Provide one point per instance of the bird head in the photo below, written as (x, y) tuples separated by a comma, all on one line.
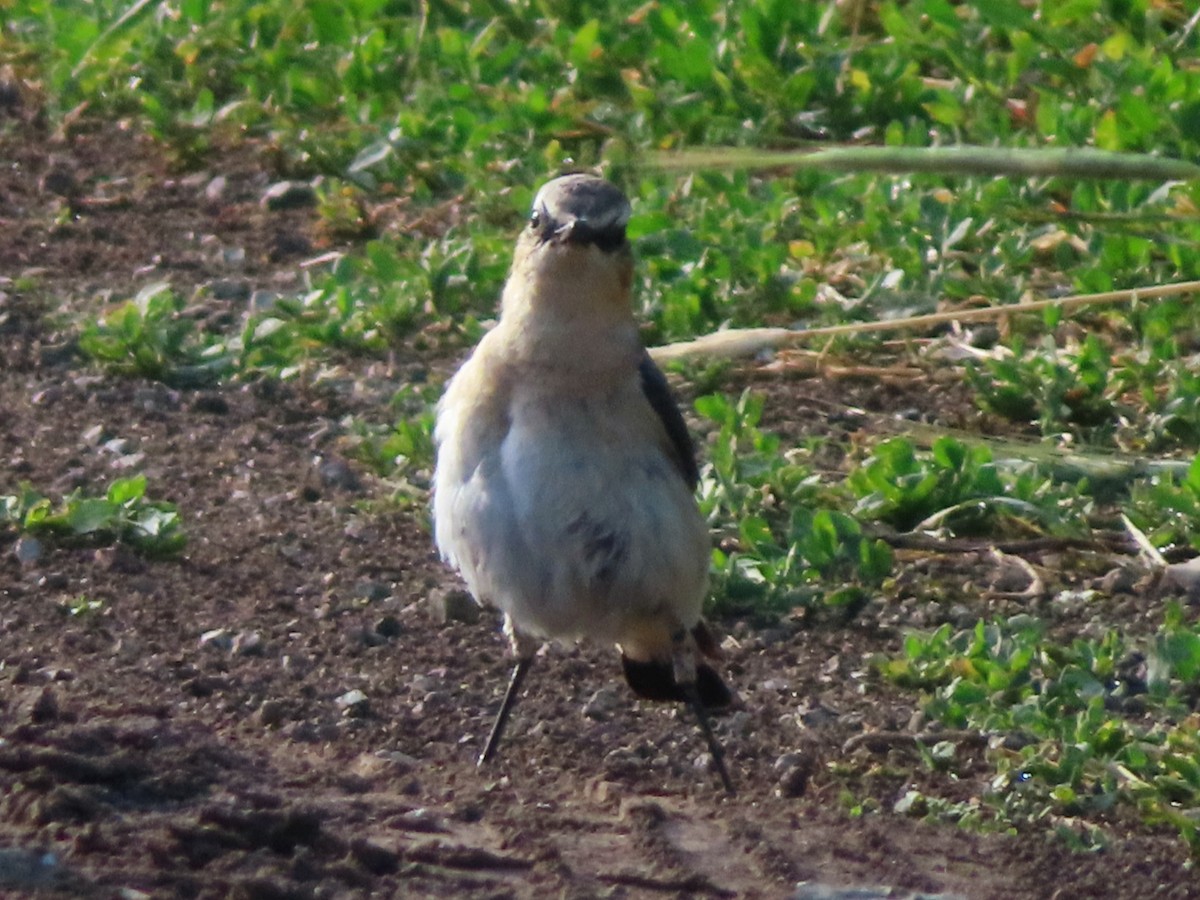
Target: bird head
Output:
[(573, 256)]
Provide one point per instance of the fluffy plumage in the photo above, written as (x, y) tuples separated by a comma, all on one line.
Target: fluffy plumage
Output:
[(563, 489)]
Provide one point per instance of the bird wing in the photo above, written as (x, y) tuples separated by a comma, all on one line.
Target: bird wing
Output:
[(658, 393)]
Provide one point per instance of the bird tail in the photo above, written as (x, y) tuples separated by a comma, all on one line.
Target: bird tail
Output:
[(655, 679)]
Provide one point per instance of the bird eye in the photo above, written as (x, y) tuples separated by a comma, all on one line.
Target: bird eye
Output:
[(535, 220)]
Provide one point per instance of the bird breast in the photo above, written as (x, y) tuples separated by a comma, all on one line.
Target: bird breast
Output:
[(574, 521)]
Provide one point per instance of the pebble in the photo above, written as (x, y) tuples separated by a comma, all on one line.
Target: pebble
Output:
[(794, 770), (337, 473), (27, 550), (215, 189), (44, 707), (54, 581), (453, 605), (271, 713), (388, 627), (58, 353), (230, 289), (217, 638), (288, 244), (248, 643), (1121, 580), (263, 301), (95, 436), (210, 402), (46, 397), (372, 591), (603, 702), (289, 195), (354, 704)]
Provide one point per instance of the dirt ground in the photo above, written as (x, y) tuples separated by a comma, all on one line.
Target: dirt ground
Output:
[(194, 737)]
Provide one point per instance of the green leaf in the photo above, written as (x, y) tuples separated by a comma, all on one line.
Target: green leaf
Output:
[(126, 490), (89, 515)]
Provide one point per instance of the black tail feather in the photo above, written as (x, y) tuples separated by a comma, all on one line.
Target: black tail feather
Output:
[(656, 681)]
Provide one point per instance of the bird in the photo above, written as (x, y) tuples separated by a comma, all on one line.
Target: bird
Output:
[(565, 476)]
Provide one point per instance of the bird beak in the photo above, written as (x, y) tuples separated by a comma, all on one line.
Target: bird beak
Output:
[(566, 233)]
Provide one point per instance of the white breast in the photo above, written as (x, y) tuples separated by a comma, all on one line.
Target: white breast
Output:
[(574, 521)]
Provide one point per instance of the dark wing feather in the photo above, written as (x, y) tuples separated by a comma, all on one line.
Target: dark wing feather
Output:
[(658, 393)]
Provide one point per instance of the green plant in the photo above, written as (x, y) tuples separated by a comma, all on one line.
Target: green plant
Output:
[(1167, 509), (1061, 741), (83, 606), (403, 452), (777, 549), (953, 486), (149, 337), (123, 513), (1060, 391)]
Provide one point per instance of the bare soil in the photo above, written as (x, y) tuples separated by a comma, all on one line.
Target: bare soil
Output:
[(193, 737)]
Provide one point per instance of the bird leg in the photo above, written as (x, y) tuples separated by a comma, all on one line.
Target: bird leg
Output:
[(683, 660), (523, 648), (514, 685)]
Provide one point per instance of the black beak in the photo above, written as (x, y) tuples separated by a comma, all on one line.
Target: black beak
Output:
[(580, 232)]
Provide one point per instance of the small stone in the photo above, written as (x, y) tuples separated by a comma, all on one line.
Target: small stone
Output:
[(602, 702), (248, 643), (230, 289), (54, 581), (287, 244), (47, 397), (202, 686), (336, 473), (388, 627), (372, 591), (27, 550), (95, 436), (271, 714), (816, 714), (354, 704), (215, 189), (289, 195), (263, 301), (44, 707), (209, 402), (794, 769), (217, 639), (375, 859), (1121, 580), (453, 605), (119, 558), (367, 637), (305, 733), (129, 461), (59, 179)]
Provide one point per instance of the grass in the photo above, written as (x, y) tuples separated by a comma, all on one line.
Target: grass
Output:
[(430, 126)]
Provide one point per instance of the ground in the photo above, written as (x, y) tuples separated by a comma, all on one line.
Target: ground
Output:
[(193, 736)]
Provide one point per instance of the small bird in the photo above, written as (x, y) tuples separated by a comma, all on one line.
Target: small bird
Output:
[(565, 476)]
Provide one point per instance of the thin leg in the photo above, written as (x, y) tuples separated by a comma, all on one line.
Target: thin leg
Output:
[(684, 665), (510, 696), (718, 755)]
